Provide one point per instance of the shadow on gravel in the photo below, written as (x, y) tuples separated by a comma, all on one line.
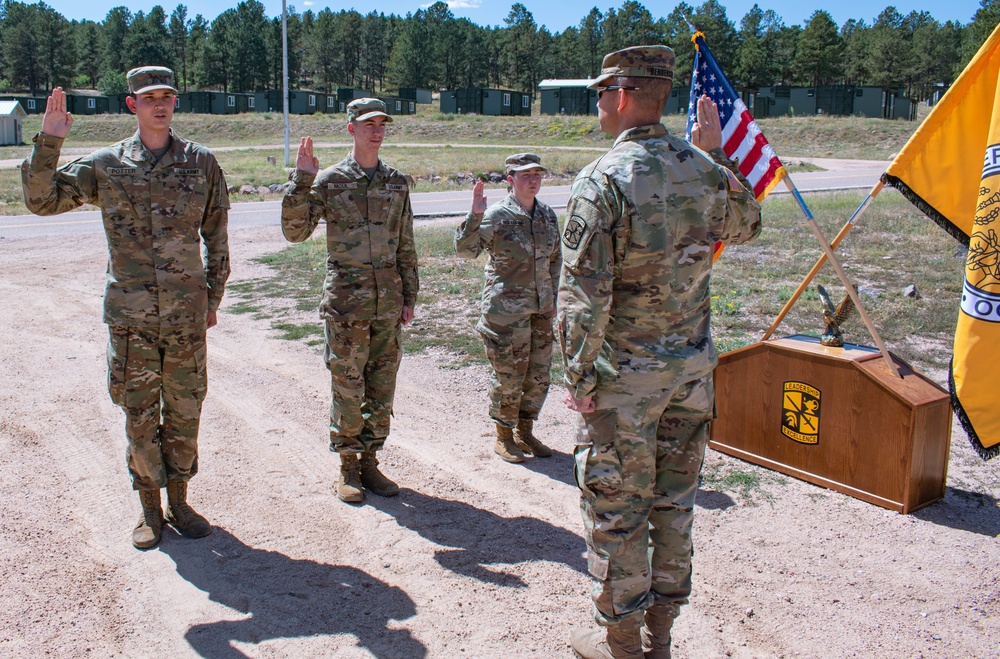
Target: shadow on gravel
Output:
[(287, 598), (481, 538), (713, 500), (966, 511), (558, 467)]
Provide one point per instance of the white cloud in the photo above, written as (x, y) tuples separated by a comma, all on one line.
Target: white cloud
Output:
[(458, 4), (308, 3)]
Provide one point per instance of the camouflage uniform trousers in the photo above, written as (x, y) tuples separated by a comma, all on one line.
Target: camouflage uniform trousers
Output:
[(158, 376), (638, 459), (363, 357), (519, 347)]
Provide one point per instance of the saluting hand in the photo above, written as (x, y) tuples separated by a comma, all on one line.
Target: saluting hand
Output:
[(304, 158), (706, 134), (56, 121), (478, 198)]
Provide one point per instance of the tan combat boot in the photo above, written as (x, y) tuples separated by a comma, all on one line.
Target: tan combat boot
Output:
[(505, 446), (349, 487), (620, 641), (181, 515), (655, 635), (146, 533), (527, 442), (375, 480)]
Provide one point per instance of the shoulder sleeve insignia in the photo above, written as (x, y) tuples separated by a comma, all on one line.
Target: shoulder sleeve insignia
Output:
[(733, 182), (574, 232)]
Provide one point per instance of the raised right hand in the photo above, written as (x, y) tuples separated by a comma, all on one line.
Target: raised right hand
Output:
[(304, 158), (478, 198), (56, 122)]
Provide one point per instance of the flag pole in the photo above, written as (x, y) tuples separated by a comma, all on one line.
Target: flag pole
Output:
[(844, 279), (822, 260)]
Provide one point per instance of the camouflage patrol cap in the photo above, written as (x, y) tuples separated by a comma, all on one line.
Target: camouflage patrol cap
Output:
[(150, 78), (637, 62), (520, 162), (362, 109)]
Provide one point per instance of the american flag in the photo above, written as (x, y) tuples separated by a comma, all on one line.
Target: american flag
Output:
[(741, 137)]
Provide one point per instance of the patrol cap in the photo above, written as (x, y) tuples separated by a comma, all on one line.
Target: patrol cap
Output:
[(520, 162), (150, 78), (636, 62), (362, 109)]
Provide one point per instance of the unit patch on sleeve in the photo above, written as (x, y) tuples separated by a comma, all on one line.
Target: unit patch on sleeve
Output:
[(574, 232)]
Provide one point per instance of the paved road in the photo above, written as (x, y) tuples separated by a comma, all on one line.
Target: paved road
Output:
[(839, 175)]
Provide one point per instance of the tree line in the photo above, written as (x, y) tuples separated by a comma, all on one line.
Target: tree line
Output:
[(240, 50)]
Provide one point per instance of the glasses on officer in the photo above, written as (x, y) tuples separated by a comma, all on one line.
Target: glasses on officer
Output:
[(601, 90)]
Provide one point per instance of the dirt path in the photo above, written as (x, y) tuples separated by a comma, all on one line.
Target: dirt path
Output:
[(476, 558)]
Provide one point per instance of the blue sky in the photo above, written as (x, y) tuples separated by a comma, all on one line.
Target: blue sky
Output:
[(554, 14)]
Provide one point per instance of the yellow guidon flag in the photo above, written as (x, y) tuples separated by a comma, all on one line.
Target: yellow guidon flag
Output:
[(940, 170)]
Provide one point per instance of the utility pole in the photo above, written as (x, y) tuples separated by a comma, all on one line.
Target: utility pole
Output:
[(284, 74)]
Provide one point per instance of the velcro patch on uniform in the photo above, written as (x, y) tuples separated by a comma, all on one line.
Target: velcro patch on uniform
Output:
[(396, 187), (574, 232), (734, 183), (188, 172), (342, 186), (122, 171)]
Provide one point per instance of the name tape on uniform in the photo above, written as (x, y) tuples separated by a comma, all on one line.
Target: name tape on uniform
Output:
[(122, 171)]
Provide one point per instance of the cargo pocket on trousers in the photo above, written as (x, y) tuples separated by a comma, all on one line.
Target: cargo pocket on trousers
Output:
[(598, 467), (498, 346), (201, 371), (117, 359)]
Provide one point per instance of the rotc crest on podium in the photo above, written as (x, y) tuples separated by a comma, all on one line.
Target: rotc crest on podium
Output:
[(800, 412)]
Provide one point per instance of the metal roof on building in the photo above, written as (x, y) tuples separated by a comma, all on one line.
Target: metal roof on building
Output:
[(555, 84), (12, 108)]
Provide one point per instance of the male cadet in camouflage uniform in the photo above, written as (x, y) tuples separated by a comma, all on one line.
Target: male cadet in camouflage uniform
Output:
[(164, 202), (371, 287), (634, 330), (521, 235)]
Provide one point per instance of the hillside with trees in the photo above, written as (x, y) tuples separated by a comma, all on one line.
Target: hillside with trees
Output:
[(240, 49)]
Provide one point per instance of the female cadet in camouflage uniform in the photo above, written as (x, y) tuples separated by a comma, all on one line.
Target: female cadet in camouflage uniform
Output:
[(521, 235), (163, 200)]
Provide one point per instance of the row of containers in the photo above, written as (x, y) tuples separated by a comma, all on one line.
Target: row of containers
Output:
[(572, 97), (299, 102)]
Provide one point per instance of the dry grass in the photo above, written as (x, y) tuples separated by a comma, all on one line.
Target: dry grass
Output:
[(892, 246)]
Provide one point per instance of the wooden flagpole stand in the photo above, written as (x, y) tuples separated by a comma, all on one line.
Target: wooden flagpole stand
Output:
[(846, 229), (844, 279)]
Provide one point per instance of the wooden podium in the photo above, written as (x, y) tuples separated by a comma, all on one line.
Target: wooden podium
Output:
[(836, 417)]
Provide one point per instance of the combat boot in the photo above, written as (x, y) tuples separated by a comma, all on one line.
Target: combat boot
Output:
[(147, 532), (655, 635), (181, 515), (375, 480), (505, 446), (527, 442), (619, 641), (349, 487)]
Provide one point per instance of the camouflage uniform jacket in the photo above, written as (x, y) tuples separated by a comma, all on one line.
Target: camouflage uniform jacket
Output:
[(166, 223), (634, 300), (522, 271), (371, 269)]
